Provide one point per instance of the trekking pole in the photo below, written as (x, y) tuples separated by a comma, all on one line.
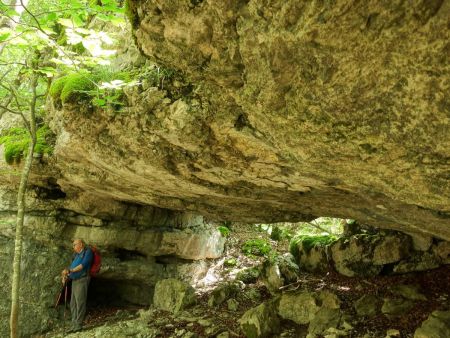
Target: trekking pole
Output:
[(59, 296), (65, 306)]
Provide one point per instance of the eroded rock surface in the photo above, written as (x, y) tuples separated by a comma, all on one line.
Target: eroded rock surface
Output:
[(289, 110)]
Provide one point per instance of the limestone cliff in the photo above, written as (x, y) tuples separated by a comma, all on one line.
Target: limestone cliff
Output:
[(290, 110)]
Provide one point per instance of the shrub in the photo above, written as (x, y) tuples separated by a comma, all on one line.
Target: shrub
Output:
[(224, 231)]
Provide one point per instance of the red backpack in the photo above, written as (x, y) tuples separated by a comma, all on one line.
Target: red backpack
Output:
[(96, 261)]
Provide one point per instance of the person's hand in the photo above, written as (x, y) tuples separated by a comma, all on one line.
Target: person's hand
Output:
[(64, 275)]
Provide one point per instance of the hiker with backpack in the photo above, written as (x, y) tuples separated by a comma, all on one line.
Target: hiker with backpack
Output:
[(79, 273)]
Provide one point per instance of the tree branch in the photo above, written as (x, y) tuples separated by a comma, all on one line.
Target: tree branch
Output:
[(5, 108)]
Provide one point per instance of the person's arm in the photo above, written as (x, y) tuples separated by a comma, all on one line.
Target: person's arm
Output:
[(79, 267), (87, 259)]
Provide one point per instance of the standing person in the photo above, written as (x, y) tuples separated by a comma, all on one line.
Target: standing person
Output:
[(78, 272)]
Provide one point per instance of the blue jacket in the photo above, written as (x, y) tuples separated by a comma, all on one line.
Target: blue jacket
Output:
[(84, 258)]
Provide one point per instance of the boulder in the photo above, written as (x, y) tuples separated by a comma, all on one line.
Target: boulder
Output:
[(260, 321), (302, 307), (420, 242), (248, 276), (173, 295), (323, 320), (367, 306), (278, 272), (223, 292), (394, 307), (365, 255), (410, 292), (418, 261), (437, 325), (442, 250), (310, 258)]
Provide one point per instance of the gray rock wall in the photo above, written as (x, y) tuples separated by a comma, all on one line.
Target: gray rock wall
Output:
[(137, 244)]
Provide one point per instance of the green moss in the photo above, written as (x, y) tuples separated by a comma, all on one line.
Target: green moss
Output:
[(256, 247), (72, 87), (224, 230), (16, 141), (230, 262), (76, 87), (249, 275), (308, 242), (56, 87), (250, 330)]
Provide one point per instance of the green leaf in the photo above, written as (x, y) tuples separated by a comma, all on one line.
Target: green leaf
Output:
[(4, 36), (51, 17), (78, 21), (99, 102), (66, 22), (48, 71)]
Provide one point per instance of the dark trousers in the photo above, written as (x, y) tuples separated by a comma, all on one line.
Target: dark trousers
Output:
[(78, 300)]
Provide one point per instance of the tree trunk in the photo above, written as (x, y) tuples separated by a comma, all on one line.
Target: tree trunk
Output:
[(15, 305)]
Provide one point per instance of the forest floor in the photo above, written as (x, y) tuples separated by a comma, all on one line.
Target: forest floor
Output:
[(203, 320)]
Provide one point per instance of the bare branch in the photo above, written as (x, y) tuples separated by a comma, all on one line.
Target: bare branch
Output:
[(12, 63), (59, 11), (5, 108), (34, 18), (4, 75), (319, 227)]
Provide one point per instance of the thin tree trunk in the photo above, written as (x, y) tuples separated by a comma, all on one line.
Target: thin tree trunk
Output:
[(15, 305)]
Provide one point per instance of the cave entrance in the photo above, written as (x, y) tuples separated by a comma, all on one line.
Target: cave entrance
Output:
[(104, 292)]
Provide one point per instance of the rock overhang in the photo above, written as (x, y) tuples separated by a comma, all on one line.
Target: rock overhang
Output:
[(301, 110)]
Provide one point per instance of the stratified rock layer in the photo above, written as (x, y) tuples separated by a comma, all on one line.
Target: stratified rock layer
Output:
[(295, 110)]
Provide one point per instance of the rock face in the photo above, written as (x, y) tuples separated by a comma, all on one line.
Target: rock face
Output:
[(139, 246), (289, 111), (173, 295)]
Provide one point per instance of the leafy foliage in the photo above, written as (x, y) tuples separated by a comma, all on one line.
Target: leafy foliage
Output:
[(225, 231)]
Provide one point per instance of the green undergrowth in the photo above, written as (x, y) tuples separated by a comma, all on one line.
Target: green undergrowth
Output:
[(17, 140), (256, 247), (225, 231), (310, 241)]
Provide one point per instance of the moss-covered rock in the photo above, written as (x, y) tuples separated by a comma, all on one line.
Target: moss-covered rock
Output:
[(261, 321), (312, 252), (249, 275), (366, 255), (437, 325), (223, 292), (367, 306), (302, 307), (173, 295)]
